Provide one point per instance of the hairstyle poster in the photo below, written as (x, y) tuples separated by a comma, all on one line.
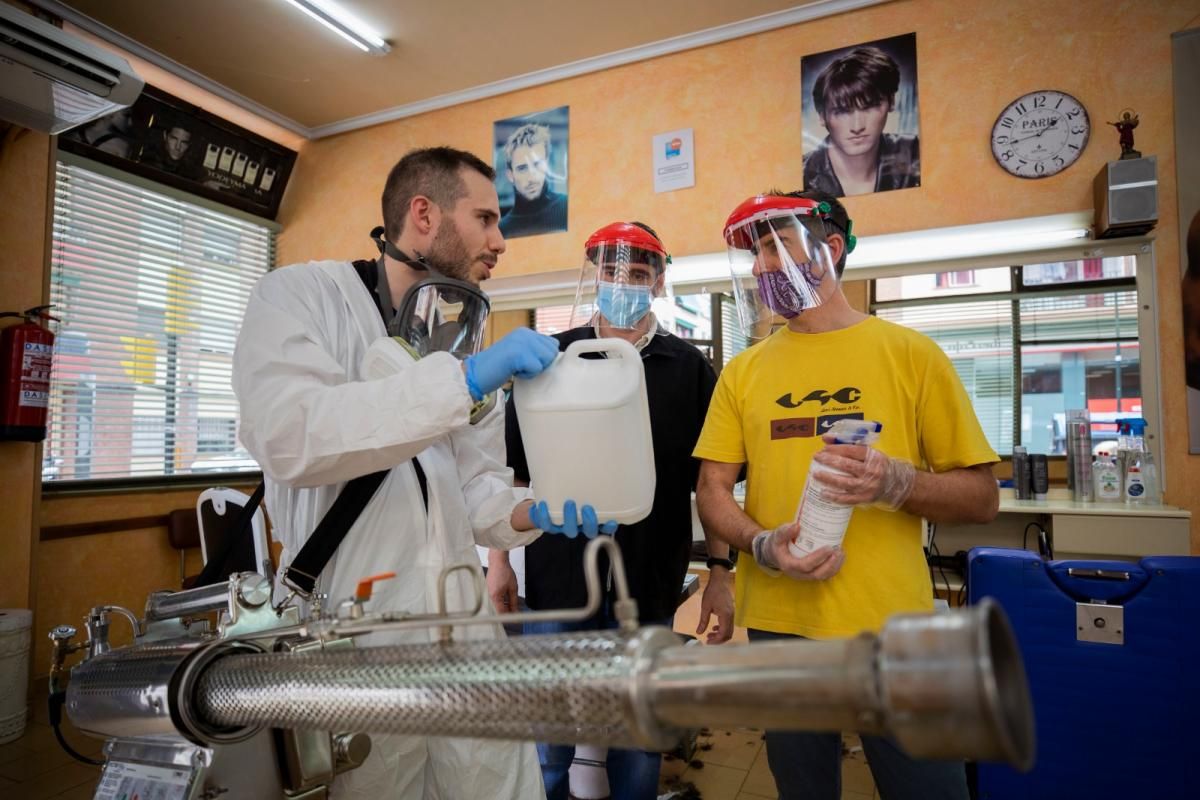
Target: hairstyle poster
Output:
[(859, 118), (173, 142), (530, 155)]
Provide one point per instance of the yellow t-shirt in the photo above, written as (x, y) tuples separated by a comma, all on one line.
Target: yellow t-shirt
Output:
[(770, 405)]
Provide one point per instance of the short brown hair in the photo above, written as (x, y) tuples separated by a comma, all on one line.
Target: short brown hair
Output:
[(431, 172), (863, 78), (819, 225)]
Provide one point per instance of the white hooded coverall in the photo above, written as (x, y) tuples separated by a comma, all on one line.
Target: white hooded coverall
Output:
[(313, 423)]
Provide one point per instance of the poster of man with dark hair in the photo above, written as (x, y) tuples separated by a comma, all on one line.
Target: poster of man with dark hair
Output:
[(531, 172), (860, 128)]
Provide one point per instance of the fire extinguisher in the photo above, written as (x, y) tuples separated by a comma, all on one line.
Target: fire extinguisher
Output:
[(26, 352)]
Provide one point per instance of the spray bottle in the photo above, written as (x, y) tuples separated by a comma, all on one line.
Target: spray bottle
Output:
[(1141, 474), (822, 523), (1107, 476)]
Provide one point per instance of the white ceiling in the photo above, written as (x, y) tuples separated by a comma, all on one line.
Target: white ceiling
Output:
[(310, 80)]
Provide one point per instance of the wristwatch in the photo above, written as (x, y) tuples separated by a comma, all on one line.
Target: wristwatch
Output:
[(719, 562)]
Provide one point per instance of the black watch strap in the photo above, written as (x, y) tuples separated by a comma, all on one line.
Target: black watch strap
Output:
[(719, 562)]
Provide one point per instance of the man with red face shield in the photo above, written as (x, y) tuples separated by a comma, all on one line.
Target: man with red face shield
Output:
[(624, 270), (830, 362)]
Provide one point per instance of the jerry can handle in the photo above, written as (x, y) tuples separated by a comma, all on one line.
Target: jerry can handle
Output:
[(618, 348)]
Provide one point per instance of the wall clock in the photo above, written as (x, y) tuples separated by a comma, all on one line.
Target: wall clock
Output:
[(1040, 134)]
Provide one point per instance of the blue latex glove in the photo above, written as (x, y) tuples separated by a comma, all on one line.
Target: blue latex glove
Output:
[(523, 353), (539, 515)]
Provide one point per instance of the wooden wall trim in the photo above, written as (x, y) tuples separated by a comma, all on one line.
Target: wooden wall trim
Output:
[(103, 526)]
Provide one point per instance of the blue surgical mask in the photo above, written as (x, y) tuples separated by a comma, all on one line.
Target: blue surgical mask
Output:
[(623, 305)]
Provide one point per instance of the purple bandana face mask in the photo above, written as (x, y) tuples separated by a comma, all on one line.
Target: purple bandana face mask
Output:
[(779, 292)]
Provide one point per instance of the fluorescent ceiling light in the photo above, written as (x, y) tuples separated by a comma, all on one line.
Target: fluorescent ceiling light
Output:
[(344, 24)]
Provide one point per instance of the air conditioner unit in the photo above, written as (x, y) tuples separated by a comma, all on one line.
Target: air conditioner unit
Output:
[(52, 81)]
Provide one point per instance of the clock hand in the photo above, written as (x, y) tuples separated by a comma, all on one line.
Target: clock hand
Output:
[(1052, 123), (1040, 131)]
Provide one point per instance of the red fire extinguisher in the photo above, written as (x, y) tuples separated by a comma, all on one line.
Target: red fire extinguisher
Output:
[(25, 359)]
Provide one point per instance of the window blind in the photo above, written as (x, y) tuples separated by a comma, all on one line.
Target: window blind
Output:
[(149, 291), (1089, 317), (978, 338)]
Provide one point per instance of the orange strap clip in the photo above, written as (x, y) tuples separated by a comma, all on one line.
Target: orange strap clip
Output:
[(363, 592)]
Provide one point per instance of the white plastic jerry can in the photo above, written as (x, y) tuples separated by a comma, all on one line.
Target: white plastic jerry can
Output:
[(585, 424)]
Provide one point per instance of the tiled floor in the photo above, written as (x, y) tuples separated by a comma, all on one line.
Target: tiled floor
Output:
[(732, 765), (34, 767), (735, 765)]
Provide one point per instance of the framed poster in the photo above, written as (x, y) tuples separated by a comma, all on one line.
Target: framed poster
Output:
[(530, 156), (859, 124), (165, 139), (674, 160)]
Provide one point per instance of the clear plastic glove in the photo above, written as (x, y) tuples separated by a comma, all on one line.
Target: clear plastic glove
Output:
[(573, 523), (772, 553), (869, 476), (523, 353)]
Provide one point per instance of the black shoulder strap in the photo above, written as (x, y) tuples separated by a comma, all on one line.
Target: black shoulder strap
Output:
[(215, 570), (324, 541)]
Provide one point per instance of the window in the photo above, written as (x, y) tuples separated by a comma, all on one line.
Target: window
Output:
[(149, 291), (552, 319), (1038, 340), (687, 302), (947, 280)]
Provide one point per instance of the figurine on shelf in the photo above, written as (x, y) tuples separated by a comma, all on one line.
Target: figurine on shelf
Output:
[(1128, 121)]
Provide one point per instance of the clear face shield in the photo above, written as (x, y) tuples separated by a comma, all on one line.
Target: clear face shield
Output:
[(442, 314), (624, 278), (779, 265)]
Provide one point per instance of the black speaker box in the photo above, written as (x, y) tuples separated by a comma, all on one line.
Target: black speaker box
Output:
[(1127, 197)]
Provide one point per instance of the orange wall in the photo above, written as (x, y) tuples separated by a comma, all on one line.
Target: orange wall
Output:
[(743, 100)]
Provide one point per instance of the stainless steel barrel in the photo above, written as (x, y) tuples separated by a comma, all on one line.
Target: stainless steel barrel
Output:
[(128, 692)]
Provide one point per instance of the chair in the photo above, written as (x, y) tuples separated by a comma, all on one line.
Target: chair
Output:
[(217, 511), (183, 533)]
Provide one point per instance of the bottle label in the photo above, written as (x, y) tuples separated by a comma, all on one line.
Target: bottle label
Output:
[(822, 523)]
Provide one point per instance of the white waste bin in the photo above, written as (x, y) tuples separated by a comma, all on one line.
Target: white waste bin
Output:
[(14, 671)]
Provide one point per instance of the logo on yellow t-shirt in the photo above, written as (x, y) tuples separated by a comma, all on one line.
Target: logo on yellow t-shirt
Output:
[(843, 396), (805, 427)]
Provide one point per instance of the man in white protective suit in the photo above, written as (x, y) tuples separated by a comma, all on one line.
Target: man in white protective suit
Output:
[(327, 396)]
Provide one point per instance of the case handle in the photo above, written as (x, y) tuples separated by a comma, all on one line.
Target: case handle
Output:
[(1102, 574)]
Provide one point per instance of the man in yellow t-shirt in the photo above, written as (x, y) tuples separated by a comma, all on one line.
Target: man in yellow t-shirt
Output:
[(769, 410)]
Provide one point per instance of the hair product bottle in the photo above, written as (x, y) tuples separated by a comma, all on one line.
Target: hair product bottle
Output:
[(822, 523)]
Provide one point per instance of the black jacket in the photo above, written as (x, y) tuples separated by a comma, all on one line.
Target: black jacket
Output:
[(679, 385), (546, 214)]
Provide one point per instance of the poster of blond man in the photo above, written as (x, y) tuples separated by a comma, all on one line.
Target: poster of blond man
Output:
[(531, 172)]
